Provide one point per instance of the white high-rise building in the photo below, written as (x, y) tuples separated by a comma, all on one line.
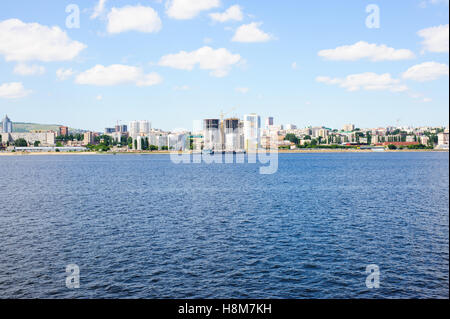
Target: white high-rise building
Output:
[(134, 129), (252, 131), (212, 135), (144, 127), (139, 128)]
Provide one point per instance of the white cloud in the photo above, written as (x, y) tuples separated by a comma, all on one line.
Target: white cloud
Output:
[(99, 9), (294, 65), (219, 61), (22, 42), (117, 74), (427, 71), (188, 9), (233, 13), (99, 97), (366, 81), (364, 50), (64, 74), (129, 18), (435, 39), (420, 97), (251, 33), (242, 90), (23, 69), (14, 90)]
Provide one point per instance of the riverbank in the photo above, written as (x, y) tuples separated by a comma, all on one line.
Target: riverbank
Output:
[(303, 151)]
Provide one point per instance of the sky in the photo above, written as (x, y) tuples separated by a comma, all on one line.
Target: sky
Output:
[(91, 64)]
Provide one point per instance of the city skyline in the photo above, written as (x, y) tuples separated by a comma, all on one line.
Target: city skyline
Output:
[(181, 63)]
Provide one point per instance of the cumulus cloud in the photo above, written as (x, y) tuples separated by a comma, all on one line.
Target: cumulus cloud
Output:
[(63, 74), (435, 39), (14, 90), (22, 42), (427, 71), (419, 97), (189, 9), (23, 69), (219, 61), (364, 50), (251, 33), (366, 81), (233, 13), (117, 74), (99, 9), (133, 18)]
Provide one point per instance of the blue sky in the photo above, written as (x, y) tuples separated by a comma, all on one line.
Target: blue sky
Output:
[(302, 62)]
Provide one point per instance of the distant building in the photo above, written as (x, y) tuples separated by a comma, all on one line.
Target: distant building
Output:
[(121, 129), (424, 140), (144, 127), (134, 129), (177, 142), (89, 138), (7, 125), (63, 131), (212, 135), (232, 135), (269, 122), (139, 128), (290, 127), (252, 131), (323, 133), (443, 139), (110, 130), (348, 127), (46, 138)]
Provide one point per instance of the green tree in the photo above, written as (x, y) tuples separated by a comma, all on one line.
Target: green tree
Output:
[(37, 143), (392, 147), (291, 138), (20, 142)]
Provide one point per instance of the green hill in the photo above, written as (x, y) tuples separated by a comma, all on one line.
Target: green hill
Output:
[(20, 127), (27, 127)]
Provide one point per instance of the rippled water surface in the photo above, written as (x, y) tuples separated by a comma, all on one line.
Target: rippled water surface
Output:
[(142, 227)]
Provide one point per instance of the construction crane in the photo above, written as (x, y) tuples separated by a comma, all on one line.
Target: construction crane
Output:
[(222, 115)]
